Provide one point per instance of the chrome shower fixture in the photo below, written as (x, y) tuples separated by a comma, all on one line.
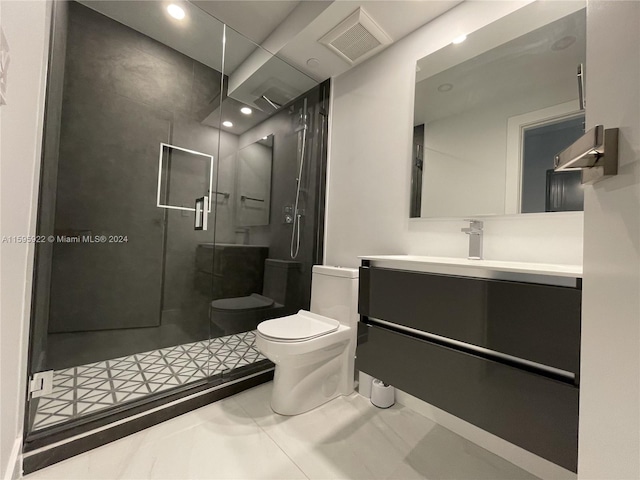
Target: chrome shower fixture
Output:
[(297, 212), (303, 119)]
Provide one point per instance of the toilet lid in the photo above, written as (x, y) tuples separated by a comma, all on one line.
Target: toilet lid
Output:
[(301, 326)]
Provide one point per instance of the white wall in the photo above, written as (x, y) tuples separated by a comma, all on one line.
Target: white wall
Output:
[(369, 181), (369, 191), (609, 438), (369, 168), (26, 27)]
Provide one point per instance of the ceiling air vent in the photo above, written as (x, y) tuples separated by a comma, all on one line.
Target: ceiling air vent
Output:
[(356, 38)]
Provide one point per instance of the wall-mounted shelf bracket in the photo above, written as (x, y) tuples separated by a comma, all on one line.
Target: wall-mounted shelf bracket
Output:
[(595, 153)]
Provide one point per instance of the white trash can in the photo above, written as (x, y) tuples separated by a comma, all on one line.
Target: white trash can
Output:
[(382, 395)]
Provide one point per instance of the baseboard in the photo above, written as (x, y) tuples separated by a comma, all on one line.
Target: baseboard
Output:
[(524, 459), (14, 465)]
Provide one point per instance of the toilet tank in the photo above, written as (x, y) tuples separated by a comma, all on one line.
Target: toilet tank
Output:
[(334, 293), (282, 282)]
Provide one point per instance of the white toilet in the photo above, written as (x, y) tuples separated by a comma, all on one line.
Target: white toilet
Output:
[(314, 351)]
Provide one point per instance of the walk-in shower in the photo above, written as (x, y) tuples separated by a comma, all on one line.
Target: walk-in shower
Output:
[(136, 302)]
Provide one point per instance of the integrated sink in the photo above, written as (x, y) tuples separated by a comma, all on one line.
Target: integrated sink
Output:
[(554, 274)]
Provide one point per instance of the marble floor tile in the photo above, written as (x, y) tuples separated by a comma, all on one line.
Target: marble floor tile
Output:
[(241, 438), (215, 442), (350, 438), (334, 441)]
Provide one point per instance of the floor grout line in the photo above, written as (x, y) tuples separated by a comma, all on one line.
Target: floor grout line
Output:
[(271, 438)]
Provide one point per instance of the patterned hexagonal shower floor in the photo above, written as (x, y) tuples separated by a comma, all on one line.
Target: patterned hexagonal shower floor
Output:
[(88, 388)]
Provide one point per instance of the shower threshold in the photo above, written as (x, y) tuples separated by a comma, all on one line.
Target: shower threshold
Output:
[(86, 389)]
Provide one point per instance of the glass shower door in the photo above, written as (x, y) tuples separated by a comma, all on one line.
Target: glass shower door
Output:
[(120, 309), (185, 192), (149, 139), (272, 162)]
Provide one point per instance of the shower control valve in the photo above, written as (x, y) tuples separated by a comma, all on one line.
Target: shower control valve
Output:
[(287, 214)]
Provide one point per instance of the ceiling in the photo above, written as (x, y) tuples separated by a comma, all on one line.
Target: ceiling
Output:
[(397, 18), (260, 29), (290, 29), (255, 19)]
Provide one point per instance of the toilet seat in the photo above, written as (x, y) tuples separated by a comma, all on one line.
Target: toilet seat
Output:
[(302, 326)]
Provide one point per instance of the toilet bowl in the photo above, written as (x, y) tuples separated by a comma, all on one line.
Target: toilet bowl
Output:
[(314, 351)]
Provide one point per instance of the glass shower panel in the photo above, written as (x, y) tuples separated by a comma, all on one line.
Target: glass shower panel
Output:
[(272, 163), (123, 286)]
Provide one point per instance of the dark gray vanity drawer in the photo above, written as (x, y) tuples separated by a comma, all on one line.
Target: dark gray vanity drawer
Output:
[(540, 323), (535, 412)]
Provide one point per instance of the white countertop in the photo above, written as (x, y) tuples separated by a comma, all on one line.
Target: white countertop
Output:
[(418, 262)]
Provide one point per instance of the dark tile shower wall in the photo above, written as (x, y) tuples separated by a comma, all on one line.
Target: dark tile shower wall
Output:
[(182, 303), (283, 183), (124, 93)]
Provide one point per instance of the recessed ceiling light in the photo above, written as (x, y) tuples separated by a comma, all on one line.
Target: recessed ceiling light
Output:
[(227, 123), (459, 39), (265, 138), (445, 87), (246, 110), (175, 11), (313, 63)]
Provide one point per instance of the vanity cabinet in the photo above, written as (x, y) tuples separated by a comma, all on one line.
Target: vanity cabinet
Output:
[(502, 355)]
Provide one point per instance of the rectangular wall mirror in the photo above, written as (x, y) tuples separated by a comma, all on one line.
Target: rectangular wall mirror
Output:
[(491, 111)]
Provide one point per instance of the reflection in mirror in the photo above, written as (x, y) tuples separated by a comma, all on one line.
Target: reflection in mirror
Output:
[(563, 190), (254, 182), (416, 170), (491, 112)]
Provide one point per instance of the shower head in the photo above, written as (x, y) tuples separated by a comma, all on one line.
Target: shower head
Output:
[(266, 105)]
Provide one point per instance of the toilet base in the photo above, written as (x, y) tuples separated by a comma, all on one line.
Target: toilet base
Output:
[(301, 388)]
